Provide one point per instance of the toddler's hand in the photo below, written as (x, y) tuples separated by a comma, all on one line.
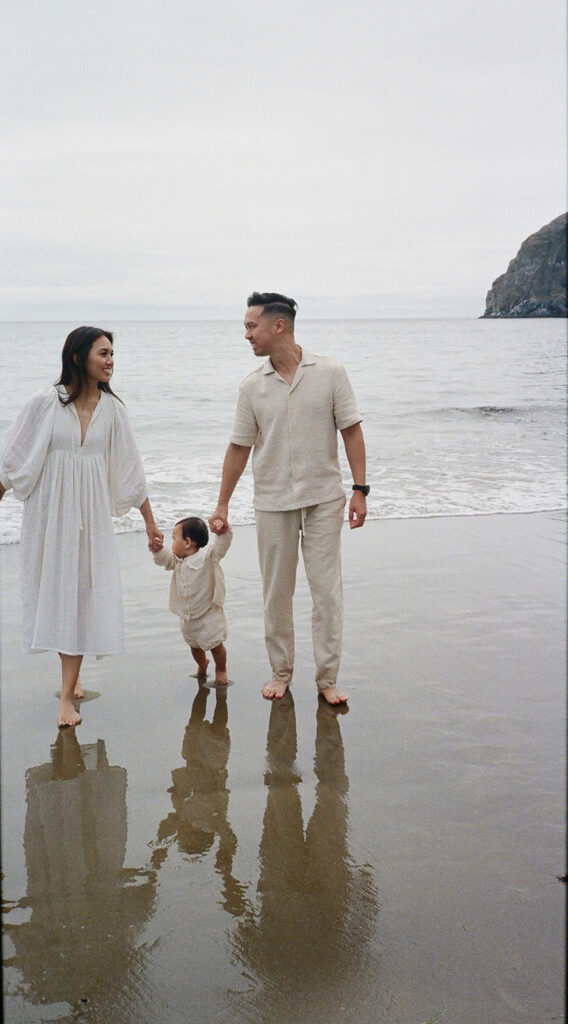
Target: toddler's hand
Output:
[(217, 525)]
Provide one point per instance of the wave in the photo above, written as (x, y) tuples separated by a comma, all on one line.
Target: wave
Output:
[(11, 537), (496, 411)]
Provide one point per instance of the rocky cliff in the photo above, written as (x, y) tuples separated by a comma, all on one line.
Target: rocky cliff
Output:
[(535, 281)]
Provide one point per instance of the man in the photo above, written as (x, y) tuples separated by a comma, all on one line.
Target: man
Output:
[(289, 410)]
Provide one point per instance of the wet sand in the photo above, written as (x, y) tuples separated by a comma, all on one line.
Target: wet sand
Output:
[(188, 855)]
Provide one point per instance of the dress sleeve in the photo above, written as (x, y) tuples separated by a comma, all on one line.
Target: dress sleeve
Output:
[(126, 479), (26, 444)]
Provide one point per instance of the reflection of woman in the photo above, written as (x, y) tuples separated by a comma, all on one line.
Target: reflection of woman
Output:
[(83, 911), (70, 456)]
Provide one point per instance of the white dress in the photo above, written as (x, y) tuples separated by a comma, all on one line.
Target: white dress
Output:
[(71, 595)]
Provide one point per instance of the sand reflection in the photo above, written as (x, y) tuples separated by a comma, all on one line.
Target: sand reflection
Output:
[(316, 908), (85, 909), (200, 796)]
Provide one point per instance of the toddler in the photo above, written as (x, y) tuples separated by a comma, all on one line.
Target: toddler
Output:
[(197, 591)]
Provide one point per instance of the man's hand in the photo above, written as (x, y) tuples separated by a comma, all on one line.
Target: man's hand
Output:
[(357, 510), (219, 522)]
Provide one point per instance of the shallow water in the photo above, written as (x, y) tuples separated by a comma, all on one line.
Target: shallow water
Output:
[(188, 855)]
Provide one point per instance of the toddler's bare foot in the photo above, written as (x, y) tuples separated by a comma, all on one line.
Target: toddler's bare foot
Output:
[(68, 715), (333, 696), (221, 677), (202, 666), (78, 692), (275, 690)]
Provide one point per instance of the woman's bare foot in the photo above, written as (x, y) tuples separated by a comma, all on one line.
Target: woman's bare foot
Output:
[(275, 690), (333, 696), (78, 692), (68, 715)]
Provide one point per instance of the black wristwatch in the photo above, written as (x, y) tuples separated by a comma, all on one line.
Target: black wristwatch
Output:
[(364, 488)]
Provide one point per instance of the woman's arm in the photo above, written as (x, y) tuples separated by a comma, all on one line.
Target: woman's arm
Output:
[(155, 536)]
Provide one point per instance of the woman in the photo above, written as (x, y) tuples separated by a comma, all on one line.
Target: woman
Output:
[(70, 456)]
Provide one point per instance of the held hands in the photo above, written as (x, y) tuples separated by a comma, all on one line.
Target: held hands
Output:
[(357, 510), (155, 538), (219, 522)]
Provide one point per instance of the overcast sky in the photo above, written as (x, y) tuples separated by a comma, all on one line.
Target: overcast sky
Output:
[(368, 157)]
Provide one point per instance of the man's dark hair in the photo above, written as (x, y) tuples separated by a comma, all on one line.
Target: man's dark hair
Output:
[(275, 304), (194, 528)]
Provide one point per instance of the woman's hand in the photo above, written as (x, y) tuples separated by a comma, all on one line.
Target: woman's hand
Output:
[(155, 537)]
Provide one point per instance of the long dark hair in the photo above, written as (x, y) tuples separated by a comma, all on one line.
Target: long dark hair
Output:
[(74, 355)]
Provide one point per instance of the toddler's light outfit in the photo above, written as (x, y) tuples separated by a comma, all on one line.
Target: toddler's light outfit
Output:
[(197, 592)]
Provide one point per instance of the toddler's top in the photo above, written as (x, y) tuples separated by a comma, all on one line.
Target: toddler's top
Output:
[(198, 581)]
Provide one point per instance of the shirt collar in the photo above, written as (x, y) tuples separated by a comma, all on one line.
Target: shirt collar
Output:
[(194, 561), (308, 359)]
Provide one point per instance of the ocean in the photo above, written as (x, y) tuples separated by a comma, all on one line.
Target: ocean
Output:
[(461, 417)]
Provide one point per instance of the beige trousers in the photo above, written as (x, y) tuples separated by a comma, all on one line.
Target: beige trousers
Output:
[(278, 533)]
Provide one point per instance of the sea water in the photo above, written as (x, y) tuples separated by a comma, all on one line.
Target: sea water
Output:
[(461, 417)]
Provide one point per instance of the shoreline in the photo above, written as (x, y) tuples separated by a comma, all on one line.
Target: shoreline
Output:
[(555, 510)]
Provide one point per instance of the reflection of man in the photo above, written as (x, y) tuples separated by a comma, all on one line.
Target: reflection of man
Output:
[(289, 410), (316, 907)]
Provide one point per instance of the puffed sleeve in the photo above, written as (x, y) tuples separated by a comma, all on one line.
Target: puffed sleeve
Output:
[(27, 442), (126, 479)]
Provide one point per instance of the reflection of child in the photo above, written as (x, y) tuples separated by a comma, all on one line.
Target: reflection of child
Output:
[(197, 590)]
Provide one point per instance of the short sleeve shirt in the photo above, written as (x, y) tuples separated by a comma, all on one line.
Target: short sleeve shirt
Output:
[(293, 431)]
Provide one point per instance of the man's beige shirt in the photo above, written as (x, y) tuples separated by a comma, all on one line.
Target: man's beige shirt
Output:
[(293, 429)]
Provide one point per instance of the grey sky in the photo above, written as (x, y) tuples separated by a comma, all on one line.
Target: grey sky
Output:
[(374, 158)]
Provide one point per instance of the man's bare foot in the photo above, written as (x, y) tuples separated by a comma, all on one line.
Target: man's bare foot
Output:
[(333, 696), (78, 692), (68, 715), (221, 677), (275, 690)]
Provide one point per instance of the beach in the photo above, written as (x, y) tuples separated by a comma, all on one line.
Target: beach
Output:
[(192, 854)]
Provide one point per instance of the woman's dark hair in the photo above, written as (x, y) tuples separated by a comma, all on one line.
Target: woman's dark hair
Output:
[(74, 355), (194, 528)]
